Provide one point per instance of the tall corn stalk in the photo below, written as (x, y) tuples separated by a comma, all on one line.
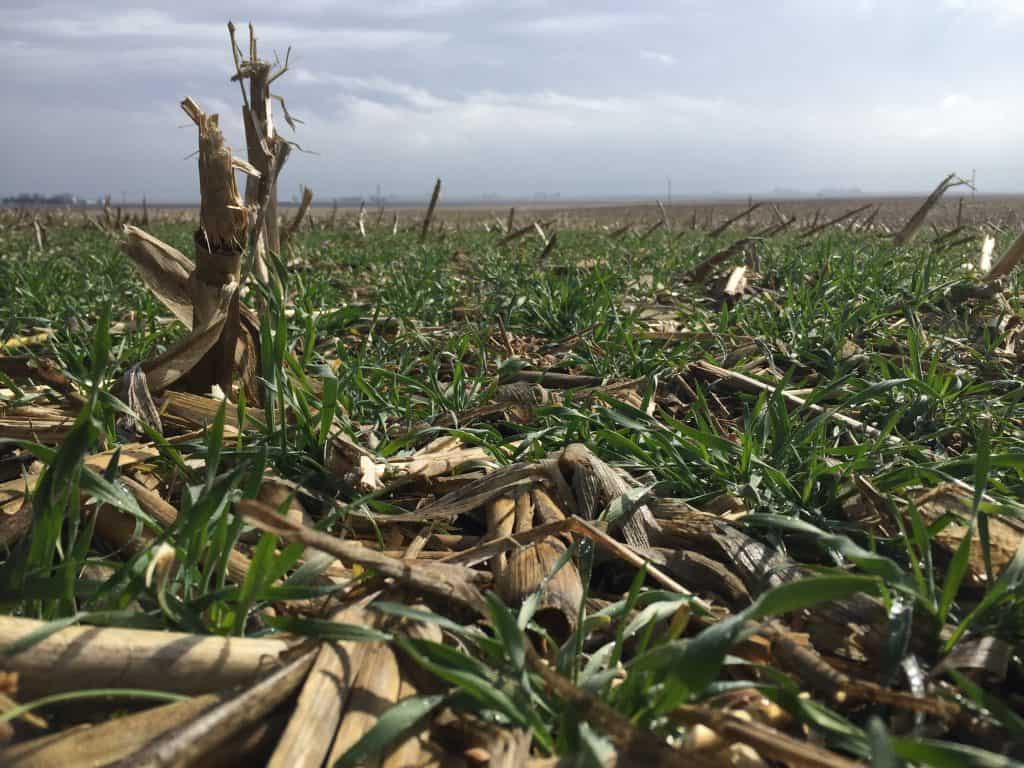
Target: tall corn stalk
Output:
[(224, 338), (266, 149)]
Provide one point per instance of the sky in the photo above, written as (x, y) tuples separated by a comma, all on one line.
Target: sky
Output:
[(524, 97)]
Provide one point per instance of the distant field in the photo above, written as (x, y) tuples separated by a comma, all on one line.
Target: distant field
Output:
[(1005, 210)]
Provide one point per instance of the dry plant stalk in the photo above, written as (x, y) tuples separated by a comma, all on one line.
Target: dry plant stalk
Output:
[(731, 727), (501, 518), (14, 493), (140, 402), (596, 485), (985, 260), (548, 247), (191, 411), (451, 582), (736, 285), (527, 569), (119, 528), (106, 742), (208, 355), (915, 222), (1004, 533), (516, 234), (219, 246), (217, 725), (700, 272), (311, 728), (651, 230), (376, 688), (163, 269), (265, 148), (430, 210), (816, 228), (720, 229), (295, 223), (47, 424), (80, 657)]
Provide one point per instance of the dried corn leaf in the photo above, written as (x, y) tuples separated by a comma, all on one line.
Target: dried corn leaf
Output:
[(163, 269), (177, 362), (1004, 533)]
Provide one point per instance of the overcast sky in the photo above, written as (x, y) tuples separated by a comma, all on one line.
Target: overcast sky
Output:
[(517, 97)]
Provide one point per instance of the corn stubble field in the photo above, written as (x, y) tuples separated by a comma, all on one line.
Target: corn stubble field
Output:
[(731, 489)]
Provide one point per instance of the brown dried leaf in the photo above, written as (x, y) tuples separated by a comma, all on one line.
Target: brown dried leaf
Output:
[(163, 269), (178, 361)]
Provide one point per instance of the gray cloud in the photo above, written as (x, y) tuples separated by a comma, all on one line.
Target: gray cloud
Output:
[(523, 97)]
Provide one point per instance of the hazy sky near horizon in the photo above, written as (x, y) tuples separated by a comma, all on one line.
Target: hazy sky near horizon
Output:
[(517, 97)]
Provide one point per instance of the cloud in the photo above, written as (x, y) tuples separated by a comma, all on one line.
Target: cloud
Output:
[(517, 96), (583, 23), (662, 58), (495, 141), (419, 98), (144, 24), (387, 9), (1001, 8)]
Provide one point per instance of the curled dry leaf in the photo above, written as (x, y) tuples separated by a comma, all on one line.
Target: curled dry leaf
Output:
[(163, 269), (179, 360)]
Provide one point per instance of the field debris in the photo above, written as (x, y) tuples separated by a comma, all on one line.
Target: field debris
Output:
[(714, 486)]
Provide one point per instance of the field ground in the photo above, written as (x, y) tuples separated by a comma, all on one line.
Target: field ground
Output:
[(976, 210), (585, 492)]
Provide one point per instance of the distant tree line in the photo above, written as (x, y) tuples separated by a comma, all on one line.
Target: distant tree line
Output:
[(36, 199)]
